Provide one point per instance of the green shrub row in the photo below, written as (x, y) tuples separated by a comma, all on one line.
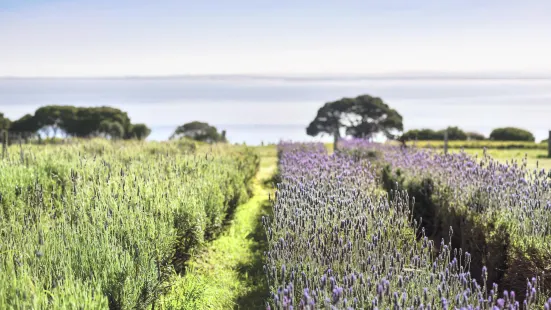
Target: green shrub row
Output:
[(489, 144), (102, 225)]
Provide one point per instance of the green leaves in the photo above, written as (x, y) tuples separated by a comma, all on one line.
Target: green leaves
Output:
[(199, 131), (363, 116), (78, 122), (511, 134)]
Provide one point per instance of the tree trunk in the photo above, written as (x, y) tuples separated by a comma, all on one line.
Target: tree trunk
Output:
[(335, 139)]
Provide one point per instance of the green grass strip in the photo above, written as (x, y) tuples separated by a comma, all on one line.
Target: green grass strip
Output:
[(227, 273)]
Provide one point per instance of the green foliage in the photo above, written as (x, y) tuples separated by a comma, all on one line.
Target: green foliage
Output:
[(481, 144), (362, 117), (454, 134), (139, 131), (100, 224), (4, 122), (422, 134), (475, 136), (511, 134), (228, 274), (114, 130), (26, 126), (81, 122), (199, 131)]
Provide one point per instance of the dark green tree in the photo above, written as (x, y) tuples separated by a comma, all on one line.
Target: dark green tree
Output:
[(88, 120), (105, 128), (116, 131), (139, 131), (454, 134), (360, 117), (4, 122), (53, 118), (26, 127), (198, 131), (78, 122), (475, 136), (511, 134), (422, 134), (425, 134), (110, 129)]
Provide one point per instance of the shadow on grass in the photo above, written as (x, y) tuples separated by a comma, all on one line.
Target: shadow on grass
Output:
[(270, 183), (252, 272)]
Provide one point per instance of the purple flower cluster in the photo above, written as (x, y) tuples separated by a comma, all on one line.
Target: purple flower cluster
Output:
[(338, 241), (504, 199), (510, 190)]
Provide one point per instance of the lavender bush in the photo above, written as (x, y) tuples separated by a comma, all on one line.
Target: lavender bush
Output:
[(501, 212), (337, 241)]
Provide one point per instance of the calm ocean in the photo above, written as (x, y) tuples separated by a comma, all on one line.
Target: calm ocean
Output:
[(253, 110)]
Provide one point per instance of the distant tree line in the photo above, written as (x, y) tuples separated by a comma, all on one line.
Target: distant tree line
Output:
[(365, 116), (456, 134), (81, 122)]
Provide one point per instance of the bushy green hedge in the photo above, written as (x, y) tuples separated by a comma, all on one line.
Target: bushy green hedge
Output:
[(511, 134), (100, 224), (480, 144), (454, 133)]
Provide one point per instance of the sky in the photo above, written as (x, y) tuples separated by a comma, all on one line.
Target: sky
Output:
[(90, 38)]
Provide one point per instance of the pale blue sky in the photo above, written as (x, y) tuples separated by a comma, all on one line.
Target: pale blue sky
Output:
[(165, 37)]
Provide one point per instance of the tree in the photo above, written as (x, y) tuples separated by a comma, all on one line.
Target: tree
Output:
[(361, 117), (54, 118), (4, 122), (475, 136), (25, 127), (511, 134), (454, 134), (198, 131), (88, 120), (139, 131), (111, 129), (77, 122), (116, 131), (423, 134)]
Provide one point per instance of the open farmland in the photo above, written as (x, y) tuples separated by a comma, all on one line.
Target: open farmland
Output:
[(147, 225)]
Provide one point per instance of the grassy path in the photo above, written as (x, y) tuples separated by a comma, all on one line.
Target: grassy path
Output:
[(228, 274)]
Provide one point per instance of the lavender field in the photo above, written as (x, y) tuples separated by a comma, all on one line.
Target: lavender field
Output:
[(372, 226)]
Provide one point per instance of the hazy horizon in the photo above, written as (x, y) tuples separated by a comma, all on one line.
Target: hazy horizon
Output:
[(272, 109)]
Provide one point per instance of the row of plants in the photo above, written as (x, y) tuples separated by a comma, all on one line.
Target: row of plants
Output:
[(480, 144), (97, 225), (338, 241), (499, 212)]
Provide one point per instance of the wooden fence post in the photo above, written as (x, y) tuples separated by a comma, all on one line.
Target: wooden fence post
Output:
[(549, 145), (4, 143), (446, 141), (335, 140)]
